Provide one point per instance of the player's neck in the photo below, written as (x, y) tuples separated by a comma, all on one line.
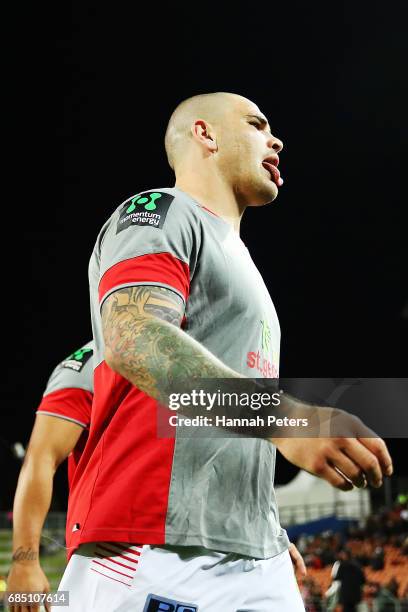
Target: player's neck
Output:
[(214, 195)]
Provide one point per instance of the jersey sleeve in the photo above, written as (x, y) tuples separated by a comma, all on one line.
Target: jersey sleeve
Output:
[(153, 239), (69, 391)]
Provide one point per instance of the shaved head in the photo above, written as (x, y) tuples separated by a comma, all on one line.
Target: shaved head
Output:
[(210, 107), (222, 142)]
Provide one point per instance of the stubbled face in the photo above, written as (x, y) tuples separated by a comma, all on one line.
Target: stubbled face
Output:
[(247, 154)]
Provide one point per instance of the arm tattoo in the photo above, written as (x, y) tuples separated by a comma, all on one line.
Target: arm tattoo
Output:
[(142, 336)]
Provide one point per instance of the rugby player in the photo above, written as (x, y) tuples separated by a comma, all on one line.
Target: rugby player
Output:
[(60, 431), (190, 523)]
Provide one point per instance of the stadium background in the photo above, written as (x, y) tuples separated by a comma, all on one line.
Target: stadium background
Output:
[(332, 249)]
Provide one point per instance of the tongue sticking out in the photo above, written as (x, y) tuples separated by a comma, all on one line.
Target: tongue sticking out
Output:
[(274, 172)]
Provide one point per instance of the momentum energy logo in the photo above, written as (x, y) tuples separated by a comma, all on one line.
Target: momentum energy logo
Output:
[(145, 209), (78, 359)]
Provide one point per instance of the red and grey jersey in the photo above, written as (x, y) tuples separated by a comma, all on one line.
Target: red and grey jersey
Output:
[(216, 493), (68, 395)]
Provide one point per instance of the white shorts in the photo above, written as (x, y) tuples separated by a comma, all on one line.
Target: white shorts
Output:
[(118, 577)]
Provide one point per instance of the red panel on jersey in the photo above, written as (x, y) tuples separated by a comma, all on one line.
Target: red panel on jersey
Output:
[(161, 268), (75, 456), (71, 402), (123, 495)]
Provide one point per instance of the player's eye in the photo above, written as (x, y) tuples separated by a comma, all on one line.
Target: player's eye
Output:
[(255, 123)]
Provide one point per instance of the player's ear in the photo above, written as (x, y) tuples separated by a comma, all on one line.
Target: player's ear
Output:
[(204, 133)]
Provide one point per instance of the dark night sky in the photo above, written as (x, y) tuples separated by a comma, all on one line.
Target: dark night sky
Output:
[(333, 247)]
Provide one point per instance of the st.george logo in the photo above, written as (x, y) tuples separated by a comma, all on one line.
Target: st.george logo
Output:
[(266, 336), (145, 209), (156, 603)]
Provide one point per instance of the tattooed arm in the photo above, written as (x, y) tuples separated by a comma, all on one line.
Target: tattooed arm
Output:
[(52, 440), (144, 342), (145, 345)]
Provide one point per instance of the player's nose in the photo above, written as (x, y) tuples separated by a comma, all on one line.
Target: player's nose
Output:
[(275, 143)]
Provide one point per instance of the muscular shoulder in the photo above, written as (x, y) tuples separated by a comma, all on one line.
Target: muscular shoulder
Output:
[(159, 209), (151, 222)]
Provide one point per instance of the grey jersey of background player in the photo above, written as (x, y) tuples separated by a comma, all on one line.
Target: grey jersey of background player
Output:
[(65, 375)]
